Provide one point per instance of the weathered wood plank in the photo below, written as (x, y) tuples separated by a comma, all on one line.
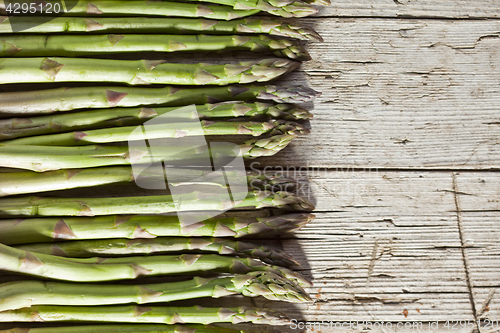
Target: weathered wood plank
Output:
[(481, 235), (402, 94), (479, 192), (479, 201), (487, 302), (408, 8), (378, 194), (390, 243)]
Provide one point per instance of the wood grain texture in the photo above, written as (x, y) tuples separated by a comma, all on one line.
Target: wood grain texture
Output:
[(479, 201), (388, 242), (487, 302), (403, 94), (465, 9)]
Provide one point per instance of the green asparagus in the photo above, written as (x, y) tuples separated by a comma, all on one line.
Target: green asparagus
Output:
[(46, 158), (284, 8), (250, 25), (66, 99), (164, 131), (143, 314), (21, 294), (162, 245), (89, 8), (79, 46), (14, 183), (153, 204), (104, 118), (139, 72), (319, 2), (130, 328), (128, 268), (35, 230)]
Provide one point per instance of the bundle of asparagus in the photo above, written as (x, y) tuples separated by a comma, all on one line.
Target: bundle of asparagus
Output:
[(56, 139)]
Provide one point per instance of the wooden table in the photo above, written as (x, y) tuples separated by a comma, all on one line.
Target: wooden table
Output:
[(403, 164)]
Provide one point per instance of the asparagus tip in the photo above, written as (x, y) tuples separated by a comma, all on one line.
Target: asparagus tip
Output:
[(288, 94), (295, 9), (271, 286), (266, 147)]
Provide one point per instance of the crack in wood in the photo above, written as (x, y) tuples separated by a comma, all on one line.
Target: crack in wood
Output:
[(464, 255), (486, 303)]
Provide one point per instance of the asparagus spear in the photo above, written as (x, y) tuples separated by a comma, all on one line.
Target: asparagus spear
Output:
[(34, 182), (163, 131), (129, 328), (34, 230), (66, 99), (21, 294), (89, 45), (241, 8), (127, 268), (284, 8), (142, 314), (142, 8), (104, 118), (139, 72), (55, 158), (162, 245), (154, 204), (250, 25)]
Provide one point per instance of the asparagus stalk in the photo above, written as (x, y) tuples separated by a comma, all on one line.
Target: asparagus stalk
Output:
[(66, 99), (284, 8), (139, 72), (34, 230), (162, 245), (250, 25), (154, 204), (164, 131), (104, 118), (319, 2), (21, 294), (127, 268), (55, 158), (128, 328), (34, 182), (89, 45), (142, 314), (86, 8)]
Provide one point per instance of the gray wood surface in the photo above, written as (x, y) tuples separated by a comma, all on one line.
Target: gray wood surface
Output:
[(456, 9), (402, 94), (480, 214), (388, 243), (410, 94)]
